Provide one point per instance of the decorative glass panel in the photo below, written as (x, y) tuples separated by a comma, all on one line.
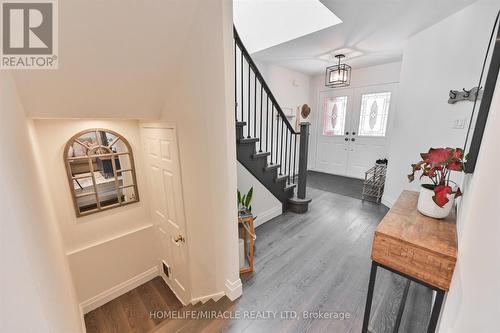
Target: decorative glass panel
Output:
[(334, 116), (374, 114)]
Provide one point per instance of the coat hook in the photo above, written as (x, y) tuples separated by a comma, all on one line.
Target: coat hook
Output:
[(471, 95)]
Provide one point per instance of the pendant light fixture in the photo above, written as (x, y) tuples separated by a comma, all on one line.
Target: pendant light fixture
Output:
[(338, 75)]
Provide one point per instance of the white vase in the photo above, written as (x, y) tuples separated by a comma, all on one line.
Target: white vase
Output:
[(428, 207)]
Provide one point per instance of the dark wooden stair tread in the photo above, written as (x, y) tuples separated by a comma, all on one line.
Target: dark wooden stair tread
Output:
[(261, 154), (248, 140), (281, 178), (271, 167)]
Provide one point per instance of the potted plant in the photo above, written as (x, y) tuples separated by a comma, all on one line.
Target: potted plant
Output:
[(436, 199), (245, 202)]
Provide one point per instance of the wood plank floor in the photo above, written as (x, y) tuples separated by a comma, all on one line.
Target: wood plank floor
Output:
[(318, 261)]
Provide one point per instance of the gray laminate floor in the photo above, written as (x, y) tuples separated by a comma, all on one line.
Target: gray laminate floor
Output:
[(350, 187), (318, 262)]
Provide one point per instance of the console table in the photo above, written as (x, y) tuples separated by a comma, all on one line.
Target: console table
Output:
[(417, 247)]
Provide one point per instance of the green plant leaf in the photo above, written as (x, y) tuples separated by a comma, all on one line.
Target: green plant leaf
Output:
[(239, 197), (243, 199), (249, 197)]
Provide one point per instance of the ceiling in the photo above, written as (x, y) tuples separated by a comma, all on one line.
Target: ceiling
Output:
[(374, 32), (117, 59), (312, 14)]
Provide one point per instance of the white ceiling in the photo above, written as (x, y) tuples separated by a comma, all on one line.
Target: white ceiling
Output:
[(117, 59), (311, 14), (377, 29)]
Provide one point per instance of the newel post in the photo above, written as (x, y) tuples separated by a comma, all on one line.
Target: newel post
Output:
[(300, 203), (303, 153)]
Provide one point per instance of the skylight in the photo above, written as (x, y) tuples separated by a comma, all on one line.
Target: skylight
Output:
[(265, 23)]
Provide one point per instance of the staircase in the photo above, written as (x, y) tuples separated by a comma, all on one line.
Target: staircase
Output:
[(267, 145)]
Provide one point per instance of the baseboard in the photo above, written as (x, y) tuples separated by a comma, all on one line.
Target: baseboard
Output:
[(206, 298), (386, 201), (82, 318), (233, 289), (118, 290), (268, 215)]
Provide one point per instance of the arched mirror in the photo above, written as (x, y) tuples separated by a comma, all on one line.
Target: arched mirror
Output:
[(101, 172)]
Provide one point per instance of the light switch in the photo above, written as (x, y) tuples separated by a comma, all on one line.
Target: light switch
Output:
[(459, 123)]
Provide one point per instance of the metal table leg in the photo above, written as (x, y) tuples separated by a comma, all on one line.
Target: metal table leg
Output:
[(436, 309), (369, 297)]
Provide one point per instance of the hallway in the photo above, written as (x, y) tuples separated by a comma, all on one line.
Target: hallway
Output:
[(314, 262)]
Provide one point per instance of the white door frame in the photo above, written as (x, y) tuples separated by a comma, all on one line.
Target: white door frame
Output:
[(356, 93), (185, 299)]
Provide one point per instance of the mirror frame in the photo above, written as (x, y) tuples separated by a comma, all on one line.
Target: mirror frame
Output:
[(71, 178), (472, 150)]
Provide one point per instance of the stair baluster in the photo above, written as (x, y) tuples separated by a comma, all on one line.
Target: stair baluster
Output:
[(277, 167)]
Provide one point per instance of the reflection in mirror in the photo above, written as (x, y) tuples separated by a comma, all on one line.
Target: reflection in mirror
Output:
[(101, 173)]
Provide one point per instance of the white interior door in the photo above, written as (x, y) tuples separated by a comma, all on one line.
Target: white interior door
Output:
[(369, 128), (163, 169), (333, 127)]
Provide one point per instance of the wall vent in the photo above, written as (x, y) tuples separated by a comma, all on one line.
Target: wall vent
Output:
[(166, 269)]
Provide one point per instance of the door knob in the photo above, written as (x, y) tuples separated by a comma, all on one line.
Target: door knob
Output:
[(346, 139), (353, 133), (179, 238), (346, 133), (353, 139)]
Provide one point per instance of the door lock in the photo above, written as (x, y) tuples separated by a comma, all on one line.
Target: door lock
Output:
[(179, 238)]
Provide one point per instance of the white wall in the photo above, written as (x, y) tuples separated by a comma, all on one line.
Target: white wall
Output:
[(291, 88), (202, 107), (473, 302), (448, 55), (106, 248), (360, 77), (36, 290), (264, 204)]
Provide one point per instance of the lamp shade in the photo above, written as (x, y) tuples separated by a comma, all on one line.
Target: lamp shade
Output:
[(338, 75)]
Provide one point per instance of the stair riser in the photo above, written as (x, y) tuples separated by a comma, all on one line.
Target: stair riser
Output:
[(256, 167), (239, 132)]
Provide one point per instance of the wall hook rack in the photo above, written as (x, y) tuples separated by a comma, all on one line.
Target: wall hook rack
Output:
[(465, 95)]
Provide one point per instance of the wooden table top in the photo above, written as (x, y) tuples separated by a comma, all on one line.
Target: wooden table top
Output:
[(405, 223), (417, 245)]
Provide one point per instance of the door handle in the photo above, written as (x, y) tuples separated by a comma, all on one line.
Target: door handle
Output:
[(179, 238), (353, 139)]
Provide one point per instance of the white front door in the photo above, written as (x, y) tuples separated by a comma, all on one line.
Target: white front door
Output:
[(163, 169), (360, 136), (333, 129), (373, 108)]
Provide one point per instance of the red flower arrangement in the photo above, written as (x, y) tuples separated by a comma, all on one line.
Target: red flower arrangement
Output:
[(437, 164)]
